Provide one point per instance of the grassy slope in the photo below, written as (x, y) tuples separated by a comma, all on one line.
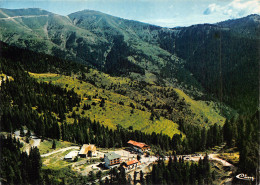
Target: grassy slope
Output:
[(112, 113), (203, 108), (143, 48), (197, 112), (46, 34), (46, 146)]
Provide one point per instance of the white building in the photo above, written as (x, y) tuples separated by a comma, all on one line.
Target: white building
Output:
[(112, 159), (71, 156)]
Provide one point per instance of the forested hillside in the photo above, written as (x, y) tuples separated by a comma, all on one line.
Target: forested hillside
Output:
[(224, 59), (49, 110), (18, 167), (137, 101)]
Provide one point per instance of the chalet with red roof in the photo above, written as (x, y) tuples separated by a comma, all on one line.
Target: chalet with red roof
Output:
[(131, 164), (138, 146)]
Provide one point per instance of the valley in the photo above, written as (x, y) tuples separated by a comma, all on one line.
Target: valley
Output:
[(156, 105), (55, 159)]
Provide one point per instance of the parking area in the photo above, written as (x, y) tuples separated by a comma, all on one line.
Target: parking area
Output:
[(126, 155)]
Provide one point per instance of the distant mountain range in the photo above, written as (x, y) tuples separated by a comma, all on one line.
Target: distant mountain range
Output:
[(208, 61)]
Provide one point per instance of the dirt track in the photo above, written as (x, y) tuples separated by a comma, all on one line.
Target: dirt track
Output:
[(61, 150), (24, 16)]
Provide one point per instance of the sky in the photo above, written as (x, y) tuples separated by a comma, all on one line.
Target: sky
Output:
[(165, 13)]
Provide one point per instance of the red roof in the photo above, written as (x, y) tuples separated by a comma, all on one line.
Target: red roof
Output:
[(138, 144), (132, 162)]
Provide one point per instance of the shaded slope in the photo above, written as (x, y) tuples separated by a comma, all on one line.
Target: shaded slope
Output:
[(224, 59), (136, 48)]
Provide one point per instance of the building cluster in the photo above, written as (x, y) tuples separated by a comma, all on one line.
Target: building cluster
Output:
[(111, 159)]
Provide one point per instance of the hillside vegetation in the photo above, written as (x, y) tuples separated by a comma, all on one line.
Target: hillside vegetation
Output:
[(44, 109), (128, 111), (130, 103), (224, 59), (111, 113)]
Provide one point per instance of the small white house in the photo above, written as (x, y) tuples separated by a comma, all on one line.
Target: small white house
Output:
[(71, 156)]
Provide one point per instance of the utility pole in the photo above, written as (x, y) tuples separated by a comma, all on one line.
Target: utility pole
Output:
[(220, 71)]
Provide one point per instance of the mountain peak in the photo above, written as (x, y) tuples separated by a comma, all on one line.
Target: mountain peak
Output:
[(88, 12), (253, 18)]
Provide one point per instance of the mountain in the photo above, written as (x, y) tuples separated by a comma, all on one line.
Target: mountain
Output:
[(45, 32), (208, 61), (143, 106), (246, 26), (98, 40), (224, 58)]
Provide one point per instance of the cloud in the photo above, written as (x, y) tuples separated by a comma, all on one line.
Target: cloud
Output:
[(176, 21), (235, 9), (211, 9)]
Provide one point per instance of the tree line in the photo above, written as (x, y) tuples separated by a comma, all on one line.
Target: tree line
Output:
[(179, 172), (37, 105), (40, 62), (197, 138), (18, 167), (243, 133)]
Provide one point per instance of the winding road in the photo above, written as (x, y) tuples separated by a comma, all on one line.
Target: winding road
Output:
[(61, 150), (216, 158)]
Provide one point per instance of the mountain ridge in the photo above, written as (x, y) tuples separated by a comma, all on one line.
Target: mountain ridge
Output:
[(182, 57)]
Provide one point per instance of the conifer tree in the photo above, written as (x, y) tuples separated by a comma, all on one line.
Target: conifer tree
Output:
[(53, 144)]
